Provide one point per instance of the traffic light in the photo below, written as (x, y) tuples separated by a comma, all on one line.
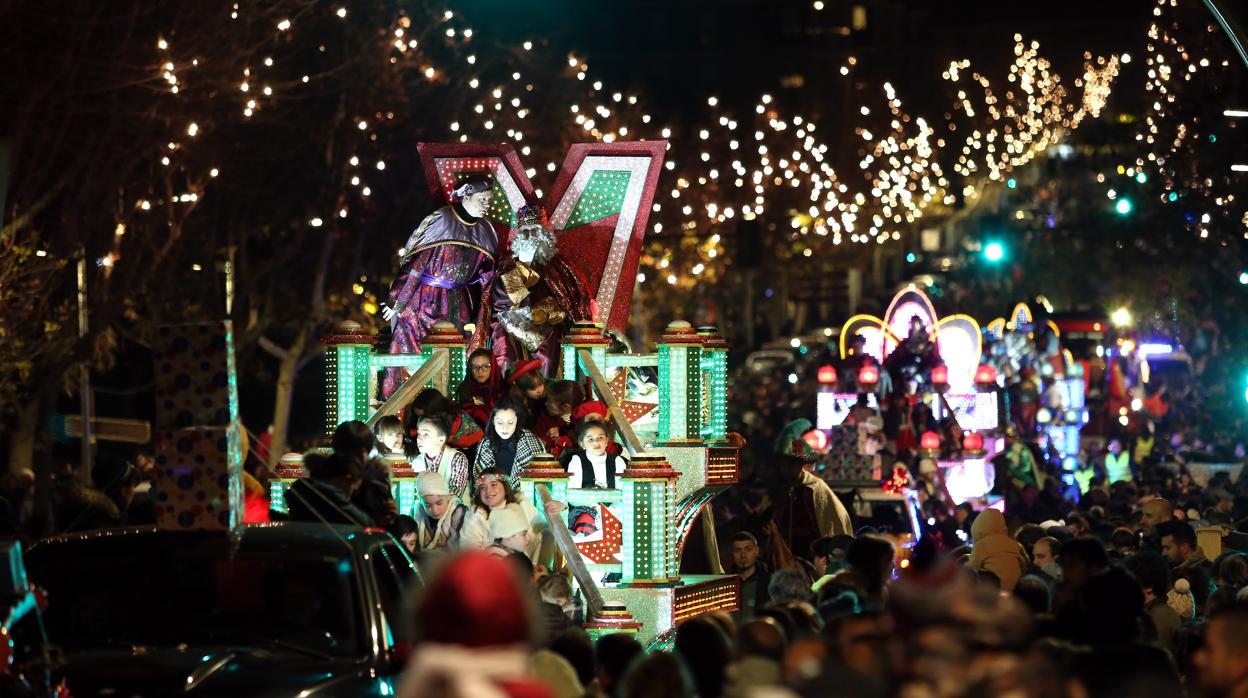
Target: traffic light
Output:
[(994, 252)]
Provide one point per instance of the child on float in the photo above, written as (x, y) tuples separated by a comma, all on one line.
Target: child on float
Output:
[(482, 389), (494, 493), (442, 521), (463, 432), (587, 411), (527, 387), (391, 439), (555, 421), (437, 457), (510, 532), (591, 464), (507, 445)]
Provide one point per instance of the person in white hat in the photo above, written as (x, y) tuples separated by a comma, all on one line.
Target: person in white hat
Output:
[(510, 528), (444, 522)]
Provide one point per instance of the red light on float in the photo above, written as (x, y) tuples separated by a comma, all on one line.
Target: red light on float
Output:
[(986, 377), (868, 376), (973, 444), (827, 375), (929, 443), (940, 378)]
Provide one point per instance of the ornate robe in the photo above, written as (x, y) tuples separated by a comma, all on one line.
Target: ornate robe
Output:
[(554, 296), (447, 262)]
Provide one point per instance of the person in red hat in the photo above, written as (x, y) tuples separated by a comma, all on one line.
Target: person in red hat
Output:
[(527, 387), (555, 421), (474, 627)]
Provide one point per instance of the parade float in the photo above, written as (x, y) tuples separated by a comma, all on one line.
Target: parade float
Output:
[(936, 364), (624, 544), (1046, 387)]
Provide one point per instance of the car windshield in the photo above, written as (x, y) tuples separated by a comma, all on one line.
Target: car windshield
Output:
[(145, 591), (886, 516)]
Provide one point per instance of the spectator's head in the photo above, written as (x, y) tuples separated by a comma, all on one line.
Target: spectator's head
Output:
[(1082, 558), (563, 396), (353, 439), (1151, 571), (1178, 541), (828, 553), (614, 654), (705, 651), (432, 431), (1232, 571), (1034, 593), (1045, 550), (788, 586), (1154, 513), (455, 608), (1222, 664), (657, 675), (343, 472), (389, 434), (575, 646), (1124, 540), (872, 557), (762, 637), (744, 551), (116, 477), (493, 490), (1027, 535)]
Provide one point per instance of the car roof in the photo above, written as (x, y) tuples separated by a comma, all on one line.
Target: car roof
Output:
[(305, 537)]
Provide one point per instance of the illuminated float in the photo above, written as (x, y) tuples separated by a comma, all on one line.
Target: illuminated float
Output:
[(668, 408), (1046, 385), (934, 361)]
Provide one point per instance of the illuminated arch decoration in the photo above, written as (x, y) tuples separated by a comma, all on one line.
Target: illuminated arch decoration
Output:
[(957, 337)]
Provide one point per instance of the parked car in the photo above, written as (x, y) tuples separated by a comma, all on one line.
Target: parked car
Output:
[(284, 609), (29, 663)]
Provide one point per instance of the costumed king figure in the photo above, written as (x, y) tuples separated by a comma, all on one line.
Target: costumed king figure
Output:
[(447, 262), (536, 296)]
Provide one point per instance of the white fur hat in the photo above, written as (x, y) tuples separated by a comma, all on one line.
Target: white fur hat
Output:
[(508, 521), (432, 484)]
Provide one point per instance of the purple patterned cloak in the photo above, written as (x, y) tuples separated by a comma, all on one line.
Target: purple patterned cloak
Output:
[(447, 262)]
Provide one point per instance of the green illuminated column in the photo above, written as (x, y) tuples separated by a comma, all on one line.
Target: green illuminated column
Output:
[(346, 375), (289, 469), (544, 470), (583, 335), (647, 513), (444, 335), (402, 482), (680, 385), (714, 407)]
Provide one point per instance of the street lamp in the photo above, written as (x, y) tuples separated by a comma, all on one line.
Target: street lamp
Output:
[(1121, 317)]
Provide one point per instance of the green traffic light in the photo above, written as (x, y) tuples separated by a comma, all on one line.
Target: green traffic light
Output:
[(994, 252)]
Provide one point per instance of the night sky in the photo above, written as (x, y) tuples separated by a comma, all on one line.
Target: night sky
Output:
[(739, 49)]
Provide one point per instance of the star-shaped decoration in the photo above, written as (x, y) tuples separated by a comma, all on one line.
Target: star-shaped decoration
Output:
[(607, 550), (633, 411)]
